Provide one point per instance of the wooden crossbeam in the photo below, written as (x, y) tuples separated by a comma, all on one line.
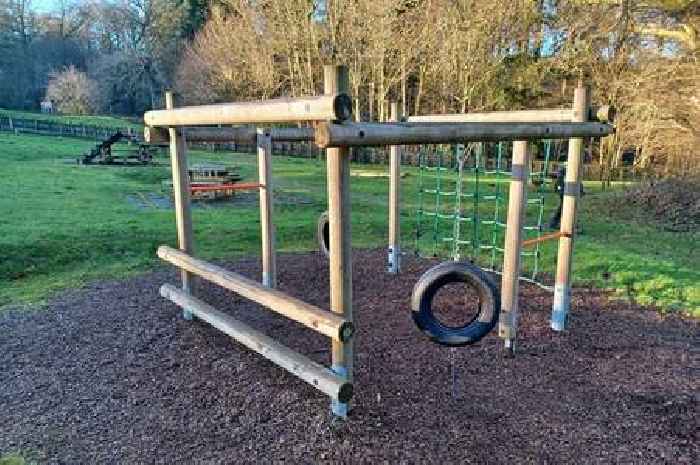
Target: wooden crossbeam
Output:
[(545, 237), (225, 187)]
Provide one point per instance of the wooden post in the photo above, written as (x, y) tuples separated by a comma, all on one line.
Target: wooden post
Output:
[(338, 172), (517, 202), (181, 193), (404, 98), (572, 190), (394, 200), (269, 260)]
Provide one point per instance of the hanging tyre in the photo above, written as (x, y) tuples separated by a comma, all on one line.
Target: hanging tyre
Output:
[(323, 234), (441, 275)]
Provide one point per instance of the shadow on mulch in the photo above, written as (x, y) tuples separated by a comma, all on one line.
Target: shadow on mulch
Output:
[(113, 374)]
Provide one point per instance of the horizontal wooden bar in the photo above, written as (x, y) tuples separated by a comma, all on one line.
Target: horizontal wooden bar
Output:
[(297, 364), (601, 114), (545, 237), (324, 322), (224, 187), (369, 134), (238, 135), (336, 107)]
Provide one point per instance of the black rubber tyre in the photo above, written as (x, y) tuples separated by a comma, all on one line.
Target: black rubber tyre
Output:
[(323, 234), (455, 272)]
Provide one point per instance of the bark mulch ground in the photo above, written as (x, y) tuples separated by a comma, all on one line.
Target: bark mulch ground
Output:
[(112, 374)]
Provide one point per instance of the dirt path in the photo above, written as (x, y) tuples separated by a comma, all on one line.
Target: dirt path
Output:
[(112, 375)]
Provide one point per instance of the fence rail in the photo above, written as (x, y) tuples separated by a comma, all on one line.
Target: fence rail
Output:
[(51, 128)]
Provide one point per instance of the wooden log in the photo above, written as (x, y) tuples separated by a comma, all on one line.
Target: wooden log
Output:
[(394, 265), (336, 107), (510, 278), (300, 366), (572, 190), (324, 322), (601, 114), (267, 228), (181, 194), (237, 135), (338, 174), (372, 134)]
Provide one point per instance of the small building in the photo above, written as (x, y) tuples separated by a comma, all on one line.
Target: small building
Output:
[(47, 106)]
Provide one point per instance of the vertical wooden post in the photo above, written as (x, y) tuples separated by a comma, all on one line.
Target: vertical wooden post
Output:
[(269, 261), (181, 193), (394, 200), (404, 101), (517, 202), (572, 190), (338, 172)]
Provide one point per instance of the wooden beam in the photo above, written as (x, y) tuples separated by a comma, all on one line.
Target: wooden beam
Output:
[(238, 135), (544, 237), (394, 200), (300, 366), (370, 134), (336, 107), (269, 255), (241, 186), (181, 194), (338, 172), (601, 114), (322, 321), (572, 190), (510, 279)]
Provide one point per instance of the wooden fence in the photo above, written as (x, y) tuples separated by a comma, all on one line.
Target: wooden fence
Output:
[(51, 128)]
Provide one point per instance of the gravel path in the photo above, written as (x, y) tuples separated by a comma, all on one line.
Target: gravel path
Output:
[(111, 374)]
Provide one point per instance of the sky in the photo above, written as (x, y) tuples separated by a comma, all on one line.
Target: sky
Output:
[(44, 6)]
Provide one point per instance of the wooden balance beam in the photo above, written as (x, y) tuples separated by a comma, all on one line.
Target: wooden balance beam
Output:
[(334, 326), (299, 365)]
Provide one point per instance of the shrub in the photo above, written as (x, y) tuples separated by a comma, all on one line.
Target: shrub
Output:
[(72, 92)]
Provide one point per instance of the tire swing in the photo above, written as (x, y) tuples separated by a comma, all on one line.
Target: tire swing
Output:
[(323, 234), (455, 272)]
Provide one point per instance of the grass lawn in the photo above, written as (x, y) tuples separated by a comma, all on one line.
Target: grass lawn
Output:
[(106, 121), (63, 224)]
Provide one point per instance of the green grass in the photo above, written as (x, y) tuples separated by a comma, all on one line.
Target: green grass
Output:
[(64, 225), (93, 120), (15, 459)]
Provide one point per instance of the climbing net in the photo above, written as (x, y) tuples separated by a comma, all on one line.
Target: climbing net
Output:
[(463, 203)]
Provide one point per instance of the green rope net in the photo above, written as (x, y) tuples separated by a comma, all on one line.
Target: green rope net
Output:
[(463, 202)]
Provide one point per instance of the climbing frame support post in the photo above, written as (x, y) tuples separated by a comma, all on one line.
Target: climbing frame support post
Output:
[(269, 260), (181, 191), (517, 202), (336, 79), (394, 265), (572, 191)]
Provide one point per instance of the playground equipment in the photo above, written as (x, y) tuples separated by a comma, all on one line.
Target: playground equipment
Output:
[(451, 207), (107, 153), (333, 131)]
